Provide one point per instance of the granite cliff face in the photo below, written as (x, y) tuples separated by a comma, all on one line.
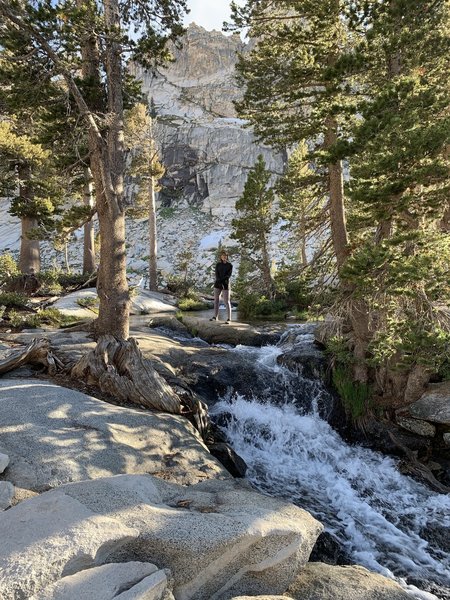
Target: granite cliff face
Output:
[(205, 148)]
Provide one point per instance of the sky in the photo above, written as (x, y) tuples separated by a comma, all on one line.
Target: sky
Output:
[(210, 14)]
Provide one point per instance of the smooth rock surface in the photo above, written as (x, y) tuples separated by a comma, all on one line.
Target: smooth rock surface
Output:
[(50, 536), (54, 435), (108, 582), (327, 582), (4, 462), (217, 332), (434, 404), (6, 494), (147, 302), (217, 537), (70, 304)]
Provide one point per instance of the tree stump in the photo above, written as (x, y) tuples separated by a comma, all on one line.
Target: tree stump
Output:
[(119, 369)]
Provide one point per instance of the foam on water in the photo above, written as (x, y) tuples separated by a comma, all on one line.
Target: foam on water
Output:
[(378, 514)]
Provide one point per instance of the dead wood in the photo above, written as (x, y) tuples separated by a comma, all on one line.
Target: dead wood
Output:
[(119, 369), (37, 352), (418, 469)]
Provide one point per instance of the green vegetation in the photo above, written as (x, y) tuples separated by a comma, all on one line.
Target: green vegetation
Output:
[(13, 299), (191, 303), (355, 396), (90, 302), (47, 316), (8, 267), (360, 83)]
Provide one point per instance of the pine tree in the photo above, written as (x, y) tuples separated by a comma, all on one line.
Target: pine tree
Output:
[(92, 38), (146, 167), (292, 90), (252, 226), (399, 187), (302, 204), (28, 176)]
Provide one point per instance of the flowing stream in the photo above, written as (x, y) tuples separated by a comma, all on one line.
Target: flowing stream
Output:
[(386, 521)]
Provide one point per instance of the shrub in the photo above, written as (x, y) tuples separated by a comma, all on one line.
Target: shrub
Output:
[(8, 267), (47, 316), (13, 299), (252, 305), (88, 302), (191, 303)]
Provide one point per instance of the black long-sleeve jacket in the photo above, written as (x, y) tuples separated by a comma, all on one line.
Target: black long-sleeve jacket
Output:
[(223, 274)]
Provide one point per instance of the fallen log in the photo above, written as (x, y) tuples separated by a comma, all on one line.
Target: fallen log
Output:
[(37, 352), (418, 469)]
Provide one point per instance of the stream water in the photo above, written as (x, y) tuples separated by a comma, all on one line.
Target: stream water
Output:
[(386, 521)]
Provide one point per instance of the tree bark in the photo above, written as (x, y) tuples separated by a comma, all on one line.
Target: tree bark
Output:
[(107, 166), (152, 236), (358, 312), (265, 267), (37, 352), (89, 233), (30, 256), (119, 369), (338, 223)]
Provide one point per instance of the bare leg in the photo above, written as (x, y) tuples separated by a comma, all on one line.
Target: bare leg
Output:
[(216, 302), (226, 299)]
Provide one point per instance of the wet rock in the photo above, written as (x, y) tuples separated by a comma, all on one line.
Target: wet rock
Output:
[(310, 362), (217, 332), (168, 322), (417, 426), (446, 438), (232, 462), (329, 550)]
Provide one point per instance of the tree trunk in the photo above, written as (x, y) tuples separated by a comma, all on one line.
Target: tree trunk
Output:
[(338, 223), (358, 312), (66, 257), (303, 255), (37, 352), (152, 233), (265, 267), (107, 165), (30, 256), (89, 233)]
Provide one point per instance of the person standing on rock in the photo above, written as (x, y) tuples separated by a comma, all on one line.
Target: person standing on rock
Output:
[(222, 286)]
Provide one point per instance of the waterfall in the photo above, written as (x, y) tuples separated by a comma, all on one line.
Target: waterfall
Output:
[(380, 516)]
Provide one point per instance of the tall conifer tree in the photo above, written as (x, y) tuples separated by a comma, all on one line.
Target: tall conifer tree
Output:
[(254, 222)]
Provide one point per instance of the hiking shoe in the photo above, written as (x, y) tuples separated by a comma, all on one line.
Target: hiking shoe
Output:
[(227, 322), (214, 319)]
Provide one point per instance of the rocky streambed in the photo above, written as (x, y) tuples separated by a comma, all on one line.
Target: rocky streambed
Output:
[(102, 500)]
